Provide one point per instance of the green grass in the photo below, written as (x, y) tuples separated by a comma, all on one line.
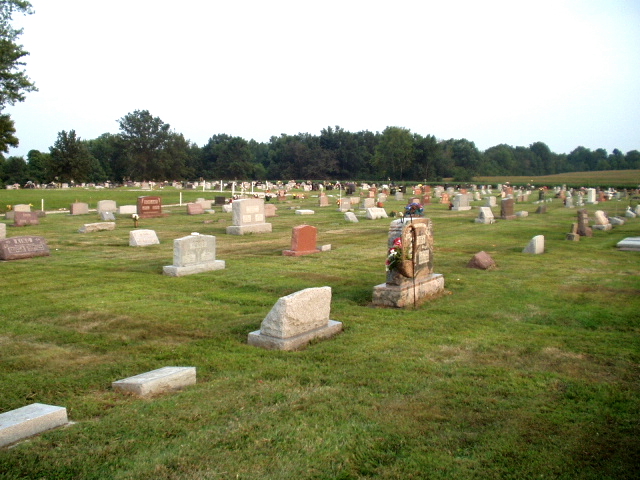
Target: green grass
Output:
[(605, 178), (526, 371)]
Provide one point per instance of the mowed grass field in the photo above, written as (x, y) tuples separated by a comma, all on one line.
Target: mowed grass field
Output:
[(530, 370), (606, 178)]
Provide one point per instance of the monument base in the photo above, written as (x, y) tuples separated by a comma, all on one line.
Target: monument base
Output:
[(409, 293), (174, 271), (244, 229), (460, 209), (296, 342), (602, 227), (508, 217), (298, 253)]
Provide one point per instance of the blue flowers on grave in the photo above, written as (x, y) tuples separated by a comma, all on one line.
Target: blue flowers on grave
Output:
[(413, 210)]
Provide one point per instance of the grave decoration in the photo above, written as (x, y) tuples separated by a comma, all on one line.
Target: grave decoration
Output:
[(409, 264)]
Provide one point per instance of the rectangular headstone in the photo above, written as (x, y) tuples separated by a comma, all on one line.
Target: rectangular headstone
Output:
[(22, 208), (193, 254), (157, 381), (79, 208), (248, 217), (3, 231), (25, 422), (23, 219), (97, 227), (270, 210), (376, 213), (303, 241), (15, 248), (143, 238), (127, 209), (149, 207), (107, 216), (106, 206), (194, 209)]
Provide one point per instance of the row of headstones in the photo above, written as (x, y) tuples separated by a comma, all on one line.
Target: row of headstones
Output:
[(293, 322), (602, 222)]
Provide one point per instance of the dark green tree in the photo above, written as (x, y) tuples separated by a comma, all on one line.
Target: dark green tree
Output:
[(14, 82), (394, 154), (15, 171), (38, 166), (71, 160), (145, 139), (427, 152)]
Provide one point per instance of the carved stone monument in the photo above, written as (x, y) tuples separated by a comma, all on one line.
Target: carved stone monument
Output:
[(193, 254), (410, 277)]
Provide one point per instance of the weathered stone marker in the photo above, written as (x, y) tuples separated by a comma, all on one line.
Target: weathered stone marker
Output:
[(16, 248), (25, 422), (157, 381), (297, 319), (193, 254)]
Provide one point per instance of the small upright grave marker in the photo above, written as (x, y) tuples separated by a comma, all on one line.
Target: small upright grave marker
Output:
[(23, 219), (194, 209), (536, 245), (297, 319), (149, 207), (143, 238), (79, 208), (193, 254), (303, 241)]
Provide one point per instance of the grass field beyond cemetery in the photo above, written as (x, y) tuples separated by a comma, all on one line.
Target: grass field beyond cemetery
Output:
[(527, 371)]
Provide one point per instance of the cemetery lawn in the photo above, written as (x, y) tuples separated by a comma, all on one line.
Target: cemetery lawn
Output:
[(530, 370)]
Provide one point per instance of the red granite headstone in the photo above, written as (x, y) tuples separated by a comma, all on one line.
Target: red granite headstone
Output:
[(15, 248), (303, 241), (149, 207), (22, 219)]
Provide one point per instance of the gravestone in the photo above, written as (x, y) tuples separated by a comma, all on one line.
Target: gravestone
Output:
[(630, 213), (482, 261), (602, 222), (305, 212), (16, 248), (490, 202), (584, 230), (485, 216), (3, 231), (106, 206), (79, 208), (350, 217), (295, 320), (542, 208), (573, 234), (248, 217), (410, 278), (344, 205), (142, 238), (461, 202), (25, 422), (507, 206), (376, 213), (127, 210), (399, 196), (270, 210), (97, 227), (591, 196), (107, 217), (193, 254), (205, 204), (150, 207), (22, 207), (323, 201), (444, 199), (536, 245), (568, 202), (382, 198), (23, 219), (157, 381), (195, 209), (368, 202), (631, 244), (303, 241), (220, 200), (522, 214)]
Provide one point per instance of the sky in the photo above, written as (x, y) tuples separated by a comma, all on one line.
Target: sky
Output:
[(566, 73)]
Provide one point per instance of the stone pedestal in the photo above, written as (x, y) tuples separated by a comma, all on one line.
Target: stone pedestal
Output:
[(409, 292)]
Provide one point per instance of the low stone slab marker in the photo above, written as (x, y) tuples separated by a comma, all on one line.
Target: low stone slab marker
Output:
[(157, 381), (27, 421)]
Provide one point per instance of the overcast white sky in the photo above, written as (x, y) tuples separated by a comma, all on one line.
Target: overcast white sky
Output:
[(566, 73)]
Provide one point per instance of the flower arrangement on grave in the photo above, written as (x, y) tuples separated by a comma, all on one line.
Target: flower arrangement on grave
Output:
[(135, 217), (413, 209), (394, 255)]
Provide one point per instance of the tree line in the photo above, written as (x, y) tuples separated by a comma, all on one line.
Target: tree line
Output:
[(146, 148)]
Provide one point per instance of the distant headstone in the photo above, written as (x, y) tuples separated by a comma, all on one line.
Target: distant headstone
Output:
[(303, 241), (485, 216), (522, 214), (602, 221), (79, 208), (193, 254), (157, 381), (399, 196), (630, 244), (107, 217), (23, 219), (536, 245), (194, 209), (482, 261), (248, 217), (461, 202), (368, 202), (584, 230), (344, 205), (127, 210), (507, 206), (227, 208), (444, 199), (3, 231), (270, 210), (489, 202), (568, 202), (106, 206), (97, 227), (323, 200), (142, 238), (410, 277), (350, 217), (616, 221), (542, 208), (591, 196), (376, 213), (16, 248), (297, 319), (220, 200), (25, 422), (305, 212), (149, 207), (573, 234)]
